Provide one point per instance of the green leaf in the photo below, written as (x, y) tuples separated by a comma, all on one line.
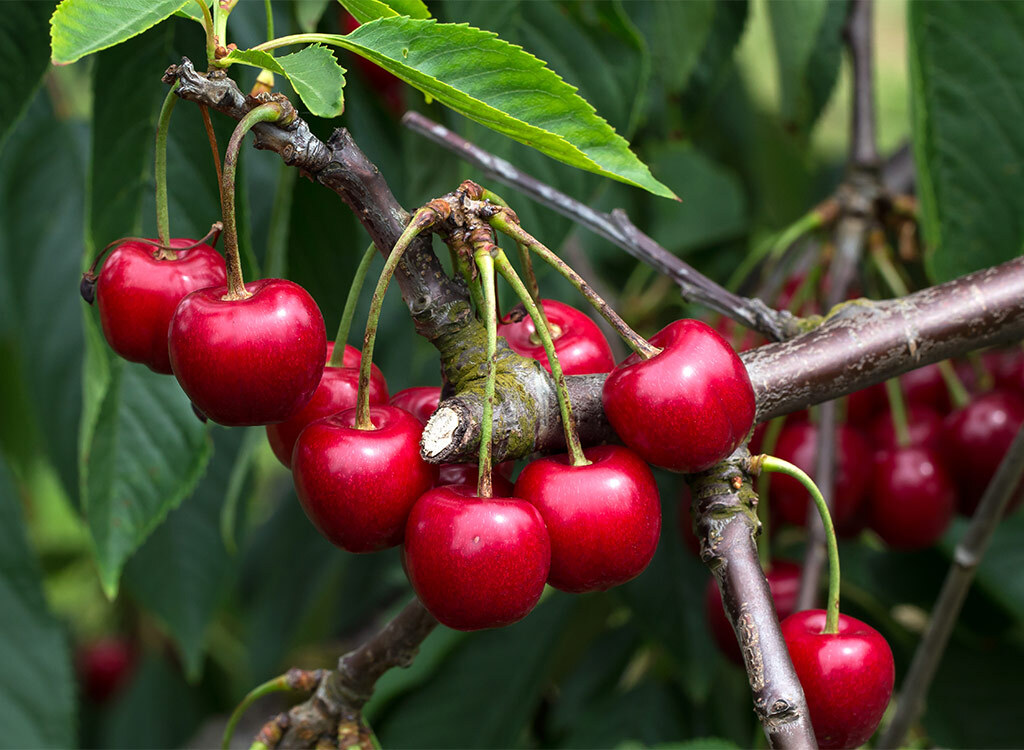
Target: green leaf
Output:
[(967, 96), (81, 27), (503, 87), (313, 72), (191, 10), (37, 693), (370, 10), (23, 59), (308, 13), (679, 33)]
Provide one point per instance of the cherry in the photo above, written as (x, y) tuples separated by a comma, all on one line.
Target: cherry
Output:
[(476, 562), (923, 423), (358, 486), (783, 582), (581, 347), (862, 406), (686, 407), (249, 361), (798, 445), (336, 392), (104, 666), (740, 338), (352, 357), (138, 290), (847, 676), (975, 440), (1008, 371), (421, 401), (603, 518), (468, 474), (912, 498)]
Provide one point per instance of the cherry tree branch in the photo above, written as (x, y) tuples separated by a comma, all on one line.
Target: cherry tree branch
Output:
[(858, 34)]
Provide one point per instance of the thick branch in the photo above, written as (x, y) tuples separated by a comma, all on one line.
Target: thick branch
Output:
[(858, 33)]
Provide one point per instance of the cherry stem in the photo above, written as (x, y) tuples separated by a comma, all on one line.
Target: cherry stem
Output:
[(221, 10), (211, 238), (898, 407), (341, 339), (422, 219), (270, 112), (270, 19), (957, 391), (211, 45), (540, 324), (214, 149), (294, 679), (485, 264), (981, 372), (506, 225), (163, 222), (770, 463)]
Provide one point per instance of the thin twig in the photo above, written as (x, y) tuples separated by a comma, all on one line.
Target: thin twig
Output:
[(859, 41)]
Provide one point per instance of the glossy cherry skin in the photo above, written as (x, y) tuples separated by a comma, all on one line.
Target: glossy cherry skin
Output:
[(924, 424), (975, 440), (468, 475), (686, 407), (581, 347), (476, 562), (137, 292), (783, 582), (847, 677), (421, 401), (912, 497), (336, 392), (603, 518), (251, 361), (798, 445), (103, 667), (358, 486)]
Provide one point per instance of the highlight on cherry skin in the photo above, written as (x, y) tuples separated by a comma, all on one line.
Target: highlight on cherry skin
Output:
[(581, 347)]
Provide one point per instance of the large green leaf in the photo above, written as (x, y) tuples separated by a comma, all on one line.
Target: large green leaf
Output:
[(370, 10), (81, 27), (967, 97), (313, 72), (36, 683), (501, 86), (23, 59), (679, 33)]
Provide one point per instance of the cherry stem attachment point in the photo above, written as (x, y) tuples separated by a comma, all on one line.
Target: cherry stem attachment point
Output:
[(341, 339), (485, 264), (210, 238), (294, 679), (772, 464), (163, 228)]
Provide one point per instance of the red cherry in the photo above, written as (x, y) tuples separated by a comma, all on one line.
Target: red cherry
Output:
[(925, 386), (352, 357), (476, 562), (975, 440), (104, 667), (847, 676), (1008, 371), (912, 498), (358, 486), (783, 582), (603, 518), (864, 405), (686, 407), (336, 392), (798, 445), (421, 401), (249, 361), (468, 475), (740, 339), (137, 292), (581, 347), (923, 423)]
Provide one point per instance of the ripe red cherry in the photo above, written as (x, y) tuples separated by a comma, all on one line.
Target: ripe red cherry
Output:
[(249, 361), (476, 562), (798, 445), (847, 677), (137, 292), (864, 405), (579, 343), (603, 518), (421, 401), (925, 386), (1008, 371), (784, 584), (358, 486), (336, 392), (352, 357), (686, 407), (103, 667), (912, 498), (923, 423), (975, 440), (468, 474)]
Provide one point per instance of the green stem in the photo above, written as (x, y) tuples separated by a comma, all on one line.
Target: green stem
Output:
[(341, 339), (981, 372), (208, 26), (883, 262), (276, 685), (485, 263), (422, 219), (264, 113), (465, 270), (776, 246), (524, 255), (275, 262), (163, 222), (572, 438), (636, 342), (270, 19), (770, 463), (898, 407), (221, 10), (957, 392), (764, 480)]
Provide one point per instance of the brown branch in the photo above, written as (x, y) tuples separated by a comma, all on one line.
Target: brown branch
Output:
[(858, 35)]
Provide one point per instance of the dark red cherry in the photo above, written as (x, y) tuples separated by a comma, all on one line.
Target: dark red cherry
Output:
[(1008, 371), (864, 405), (581, 347), (925, 387), (476, 562), (847, 676), (137, 292), (358, 486), (686, 407), (336, 392), (104, 666), (468, 475), (421, 401), (912, 497), (603, 518), (923, 423)]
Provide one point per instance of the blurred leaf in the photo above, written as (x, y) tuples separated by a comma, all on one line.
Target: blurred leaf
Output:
[(81, 27), (716, 57), (966, 90), (997, 573), (37, 705), (23, 36), (679, 33), (647, 714), (313, 72), (308, 13), (370, 10)]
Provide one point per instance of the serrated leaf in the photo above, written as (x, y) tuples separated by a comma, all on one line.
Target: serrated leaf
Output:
[(23, 34), (191, 10), (313, 72), (81, 27), (501, 86), (370, 10), (967, 96)]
